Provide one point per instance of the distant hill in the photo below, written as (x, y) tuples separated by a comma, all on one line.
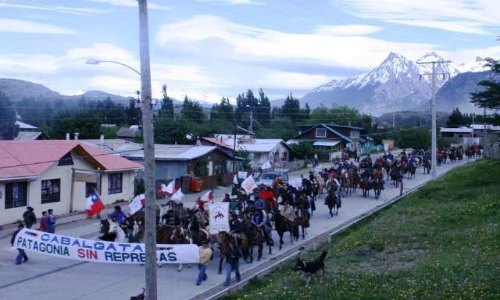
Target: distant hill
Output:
[(18, 89)]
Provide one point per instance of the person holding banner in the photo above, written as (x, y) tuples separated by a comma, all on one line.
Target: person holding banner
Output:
[(21, 254), (205, 255)]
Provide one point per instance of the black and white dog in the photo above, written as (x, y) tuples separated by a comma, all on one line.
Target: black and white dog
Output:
[(311, 268), (140, 296)]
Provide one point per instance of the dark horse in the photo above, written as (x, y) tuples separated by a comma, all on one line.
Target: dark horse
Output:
[(333, 202), (427, 166), (301, 220), (255, 238), (282, 225), (365, 186), (377, 187)]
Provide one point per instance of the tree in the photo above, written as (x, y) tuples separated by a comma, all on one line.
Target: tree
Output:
[(489, 97), (8, 127), (456, 119), (192, 111), (167, 105), (263, 111), (291, 108)]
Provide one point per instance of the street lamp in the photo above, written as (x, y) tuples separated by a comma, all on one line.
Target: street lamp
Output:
[(93, 61)]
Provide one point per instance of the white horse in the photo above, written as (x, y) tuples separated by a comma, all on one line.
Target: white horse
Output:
[(114, 227)]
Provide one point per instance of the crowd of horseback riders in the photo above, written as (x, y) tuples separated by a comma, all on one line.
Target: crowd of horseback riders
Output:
[(286, 207)]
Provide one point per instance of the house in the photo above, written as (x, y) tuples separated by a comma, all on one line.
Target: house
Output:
[(129, 134), (59, 174), (259, 150), (475, 134), (29, 132), (212, 165), (330, 136)]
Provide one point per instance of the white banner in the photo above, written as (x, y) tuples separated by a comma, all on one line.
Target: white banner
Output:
[(136, 204), (218, 214), (249, 184), (100, 251), (242, 174)]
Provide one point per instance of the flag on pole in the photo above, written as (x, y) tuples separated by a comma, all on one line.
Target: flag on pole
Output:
[(209, 196), (137, 204), (177, 196), (94, 204), (170, 188), (235, 179), (249, 184)]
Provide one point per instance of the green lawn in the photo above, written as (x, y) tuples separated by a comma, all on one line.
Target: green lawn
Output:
[(442, 242)]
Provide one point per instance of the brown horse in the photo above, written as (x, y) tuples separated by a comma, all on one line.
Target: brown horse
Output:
[(302, 221), (333, 203), (255, 237), (282, 225), (346, 184)]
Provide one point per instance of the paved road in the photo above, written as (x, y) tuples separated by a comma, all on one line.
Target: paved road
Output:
[(45, 277)]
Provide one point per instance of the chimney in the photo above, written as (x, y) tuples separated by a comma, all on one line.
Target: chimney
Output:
[(102, 140), (67, 136), (76, 136)]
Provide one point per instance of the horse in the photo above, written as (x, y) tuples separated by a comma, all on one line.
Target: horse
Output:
[(377, 187), (179, 236), (301, 221), (345, 183), (355, 178), (365, 186), (333, 202), (427, 166), (255, 237), (410, 169), (282, 225), (396, 175), (223, 240), (112, 232)]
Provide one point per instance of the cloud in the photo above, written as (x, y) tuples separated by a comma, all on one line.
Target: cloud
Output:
[(68, 72), (132, 3), (237, 2), (452, 15), (293, 80), (22, 26), (211, 35), (55, 8), (347, 30)]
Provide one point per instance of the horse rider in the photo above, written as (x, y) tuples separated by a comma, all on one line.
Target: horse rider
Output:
[(235, 227), (117, 216), (288, 213), (378, 174), (260, 220)]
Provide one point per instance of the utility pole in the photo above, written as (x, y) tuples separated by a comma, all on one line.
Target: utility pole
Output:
[(149, 156), (433, 113), (251, 119)]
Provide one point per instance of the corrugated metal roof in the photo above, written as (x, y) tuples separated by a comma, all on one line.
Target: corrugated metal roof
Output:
[(482, 126), (27, 135), (174, 152), (23, 125), (326, 143), (456, 130)]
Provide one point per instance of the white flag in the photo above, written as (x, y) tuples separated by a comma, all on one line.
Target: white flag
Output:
[(218, 214), (235, 179), (249, 184), (170, 188), (136, 204), (177, 196), (266, 165)]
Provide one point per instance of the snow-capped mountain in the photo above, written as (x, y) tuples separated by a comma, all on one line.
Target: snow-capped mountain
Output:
[(396, 84), (478, 65)]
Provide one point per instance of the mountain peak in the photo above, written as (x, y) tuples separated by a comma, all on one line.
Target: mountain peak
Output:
[(395, 56)]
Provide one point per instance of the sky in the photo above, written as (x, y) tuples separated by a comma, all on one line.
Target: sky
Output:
[(208, 49)]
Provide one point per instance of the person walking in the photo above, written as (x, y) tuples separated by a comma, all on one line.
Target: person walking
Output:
[(51, 221), (29, 217), (205, 254), (43, 222), (232, 262), (21, 254)]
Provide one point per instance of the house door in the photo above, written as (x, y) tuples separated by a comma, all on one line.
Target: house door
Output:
[(89, 188)]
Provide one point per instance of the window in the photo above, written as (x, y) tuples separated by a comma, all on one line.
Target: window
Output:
[(16, 194), (320, 132), (51, 190), (66, 160), (115, 183), (90, 187)]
